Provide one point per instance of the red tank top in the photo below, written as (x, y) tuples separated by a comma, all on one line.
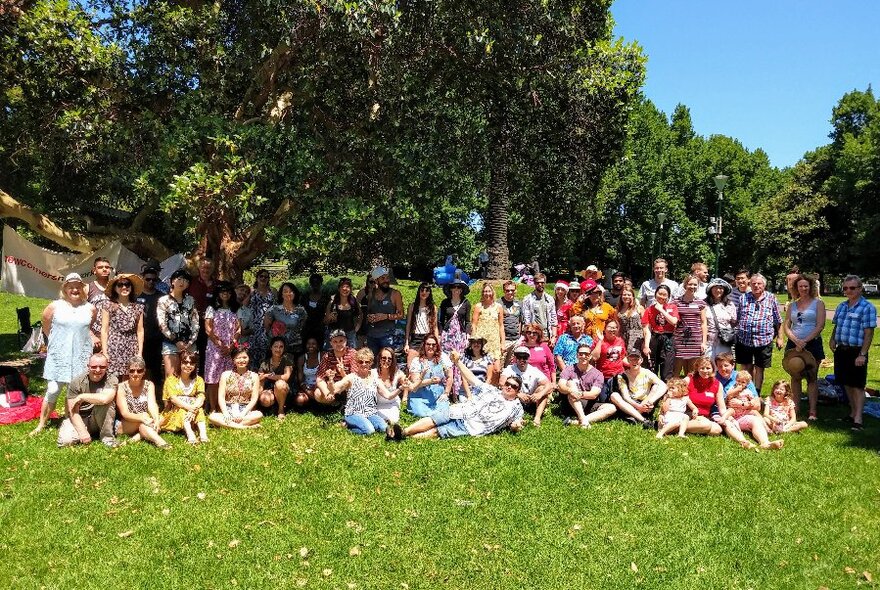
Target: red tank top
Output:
[(702, 393)]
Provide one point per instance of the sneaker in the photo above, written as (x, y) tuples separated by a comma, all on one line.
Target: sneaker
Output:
[(110, 443), (568, 421), (857, 427), (649, 424), (398, 432)]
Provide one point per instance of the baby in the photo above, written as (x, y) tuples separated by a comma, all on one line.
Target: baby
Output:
[(739, 399)]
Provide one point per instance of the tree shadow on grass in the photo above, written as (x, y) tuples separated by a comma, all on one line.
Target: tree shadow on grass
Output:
[(833, 418)]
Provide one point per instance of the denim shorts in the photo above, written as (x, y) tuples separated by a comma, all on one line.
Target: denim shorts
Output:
[(168, 348), (446, 426)]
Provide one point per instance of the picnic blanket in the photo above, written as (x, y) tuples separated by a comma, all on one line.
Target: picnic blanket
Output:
[(29, 411)]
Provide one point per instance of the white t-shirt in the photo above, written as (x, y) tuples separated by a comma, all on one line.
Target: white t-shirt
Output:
[(531, 378), (488, 412), (646, 291)]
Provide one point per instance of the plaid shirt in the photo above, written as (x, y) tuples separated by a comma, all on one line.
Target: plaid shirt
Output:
[(757, 319), (850, 322)]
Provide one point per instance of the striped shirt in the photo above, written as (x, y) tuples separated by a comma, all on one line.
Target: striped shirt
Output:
[(757, 319), (850, 322), (362, 397)]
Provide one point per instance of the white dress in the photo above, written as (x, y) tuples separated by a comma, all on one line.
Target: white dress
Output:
[(70, 342)]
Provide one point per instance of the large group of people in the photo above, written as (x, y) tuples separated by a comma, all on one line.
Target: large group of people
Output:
[(140, 357)]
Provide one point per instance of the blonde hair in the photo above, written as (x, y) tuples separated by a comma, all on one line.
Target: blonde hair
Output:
[(364, 354), (676, 385)]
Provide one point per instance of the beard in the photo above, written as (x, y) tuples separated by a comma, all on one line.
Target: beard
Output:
[(385, 287)]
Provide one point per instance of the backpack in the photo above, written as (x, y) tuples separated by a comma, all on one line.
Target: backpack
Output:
[(13, 388)]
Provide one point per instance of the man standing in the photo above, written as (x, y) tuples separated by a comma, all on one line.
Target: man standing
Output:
[(758, 322), (854, 322), (512, 317), (539, 308), (201, 289), (101, 269), (646, 291), (384, 308), (91, 406), (701, 271), (790, 278), (741, 288), (149, 298), (618, 279)]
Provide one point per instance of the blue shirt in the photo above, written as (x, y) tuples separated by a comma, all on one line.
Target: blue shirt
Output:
[(727, 384), (850, 322), (757, 319), (566, 347)]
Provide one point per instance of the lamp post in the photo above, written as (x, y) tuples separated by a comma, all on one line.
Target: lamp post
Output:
[(720, 182), (661, 217), (653, 245)]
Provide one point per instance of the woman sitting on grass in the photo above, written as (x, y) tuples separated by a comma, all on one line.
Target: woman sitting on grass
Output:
[(430, 376), (275, 373), (361, 403), (395, 381), (238, 395), (136, 404), (307, 372), (184, 397)]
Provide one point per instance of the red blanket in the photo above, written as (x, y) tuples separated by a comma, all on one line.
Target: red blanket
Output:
[(29, 411)]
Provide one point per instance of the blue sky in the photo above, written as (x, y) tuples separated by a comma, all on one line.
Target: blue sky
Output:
[(765, 72)]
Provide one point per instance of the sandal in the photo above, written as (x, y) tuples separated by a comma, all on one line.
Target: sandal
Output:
[(812, 418), (192, 441)]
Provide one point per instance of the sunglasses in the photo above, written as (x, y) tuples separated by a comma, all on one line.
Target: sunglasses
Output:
[(98, 367), (135, 371), (510, 290), (521, 357), (123, 285), (385, 358), (511, 385), (531, 333), (583, 354), (365, 363)]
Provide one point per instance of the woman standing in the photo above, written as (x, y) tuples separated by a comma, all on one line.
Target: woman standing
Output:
[(65, 326), (804, 322), (287, 318), (122, 323), (595, 311), (136, 404), (721, 317), (343, 312), (178, 320), (658, 323), (691, 331), (629, 314), (455, 322), (238, 394), (421, 320), (563, 306), (488, 321), (261, 300), (222, 328)]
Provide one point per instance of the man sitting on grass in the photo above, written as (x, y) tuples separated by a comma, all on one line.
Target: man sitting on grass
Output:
[(91, 406), (487, 412)]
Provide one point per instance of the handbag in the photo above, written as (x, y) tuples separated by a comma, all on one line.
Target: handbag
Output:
[(726, 333)]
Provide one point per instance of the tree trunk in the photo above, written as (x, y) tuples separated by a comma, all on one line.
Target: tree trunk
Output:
[(499, 200)]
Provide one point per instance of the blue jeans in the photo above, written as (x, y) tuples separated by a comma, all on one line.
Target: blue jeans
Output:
[(422, 408), (366, 424), (376, 343)]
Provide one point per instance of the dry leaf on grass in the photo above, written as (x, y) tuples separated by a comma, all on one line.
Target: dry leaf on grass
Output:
[(354, 551), (303, 552), (234, 543), (125, 534), (634, 567)]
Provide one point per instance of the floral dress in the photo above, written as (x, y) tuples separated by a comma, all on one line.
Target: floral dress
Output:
[(259, 340), (122, 333), (454, 338), (225, 323), (239, 389), (487, 327), (172, 416)]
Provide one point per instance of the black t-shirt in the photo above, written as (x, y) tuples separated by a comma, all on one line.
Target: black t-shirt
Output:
[(151, 322)]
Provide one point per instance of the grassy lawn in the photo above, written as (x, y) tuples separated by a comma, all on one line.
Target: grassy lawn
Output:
[(305, 504)]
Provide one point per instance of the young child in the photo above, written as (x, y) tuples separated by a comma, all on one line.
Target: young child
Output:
[(676, 409), (779, 412), (740, 391)]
